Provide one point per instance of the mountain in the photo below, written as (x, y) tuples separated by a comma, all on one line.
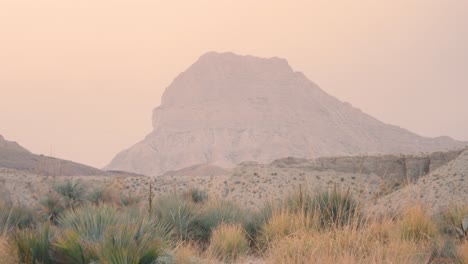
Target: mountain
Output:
[(14, 156), (227, 108)]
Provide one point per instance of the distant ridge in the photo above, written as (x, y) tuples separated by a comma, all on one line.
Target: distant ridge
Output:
[(227, 108), (14, 156)]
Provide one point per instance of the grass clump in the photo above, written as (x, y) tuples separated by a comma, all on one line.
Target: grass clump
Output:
[(335, 209), (71, 191), (33, 246), (228, 242), (196, 195), (178, 213), (216, 214), (417, 225)]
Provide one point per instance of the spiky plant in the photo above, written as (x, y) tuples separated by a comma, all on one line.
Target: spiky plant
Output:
[(51, 207), (33, 245), (177, 212), (71, 191), (336, 208)]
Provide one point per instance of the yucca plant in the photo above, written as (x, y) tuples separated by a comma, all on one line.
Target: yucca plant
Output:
[(71, 191), (13, 216), (51, 207), (176, 212), (127, 244), (196, 195), (33, 245), (69, 248), (90, 221)]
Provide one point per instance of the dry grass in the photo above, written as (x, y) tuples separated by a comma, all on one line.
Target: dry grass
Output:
[(7, 253), (187, 253), (374, 244), (417, 224), (228, 242), (462, 252)]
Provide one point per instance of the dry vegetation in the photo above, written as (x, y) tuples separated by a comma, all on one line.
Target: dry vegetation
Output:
[(72, 225)]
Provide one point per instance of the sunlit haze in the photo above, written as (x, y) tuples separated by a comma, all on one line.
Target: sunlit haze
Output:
[(79, 79)]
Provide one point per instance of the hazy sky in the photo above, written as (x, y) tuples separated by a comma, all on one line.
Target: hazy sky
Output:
[(79, 79)]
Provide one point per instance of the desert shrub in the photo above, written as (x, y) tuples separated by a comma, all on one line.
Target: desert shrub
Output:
[(33, 245), (127, 244), (335, 208), (89, 221), (228, 242), (416, 224), (99, 195), (177, 212), (127, 199), (213, 216), (71, 191), (109, 235), (67, 248), (51, 207), (12, 216), (196, 195), (452, 217), (255, 220), (187, 253), (284, 223)]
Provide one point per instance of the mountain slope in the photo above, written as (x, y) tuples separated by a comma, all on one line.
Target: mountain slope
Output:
[(227, 108), (441, 188), (13, 156)]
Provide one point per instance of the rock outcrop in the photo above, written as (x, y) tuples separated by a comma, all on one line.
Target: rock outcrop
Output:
[(227, 108)]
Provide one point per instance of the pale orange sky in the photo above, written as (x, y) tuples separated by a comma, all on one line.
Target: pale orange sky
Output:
[(79, 79)]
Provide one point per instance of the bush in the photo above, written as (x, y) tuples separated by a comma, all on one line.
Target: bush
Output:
[(452, 217), (51, 207), (90, 222), (197, 195), (417, 224), (33, 246), (129, 200), (336, 209), (177, 213), (213, 216), (11, 217), (228, 242), (71, 191)]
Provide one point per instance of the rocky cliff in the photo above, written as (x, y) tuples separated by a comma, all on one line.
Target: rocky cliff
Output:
[(226, 108)]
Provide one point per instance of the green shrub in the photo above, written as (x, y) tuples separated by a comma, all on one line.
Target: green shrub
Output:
[(51, 207), (12, 216), (33, 245), (197, 196), (176, 212), (71, 191), (68, 249), (89, 221), (127, 199), (213, 216), (335, 209), (127, 244)]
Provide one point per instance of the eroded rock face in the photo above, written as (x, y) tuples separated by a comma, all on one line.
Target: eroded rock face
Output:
[(227, 108)]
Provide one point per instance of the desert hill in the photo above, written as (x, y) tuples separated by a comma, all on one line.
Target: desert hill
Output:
[(226, 109), (14, 156), (439, 189)]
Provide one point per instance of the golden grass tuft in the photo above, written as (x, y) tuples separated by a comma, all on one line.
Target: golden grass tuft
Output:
[(228, 242), (7, 254), (417, 224), (187, 253)]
